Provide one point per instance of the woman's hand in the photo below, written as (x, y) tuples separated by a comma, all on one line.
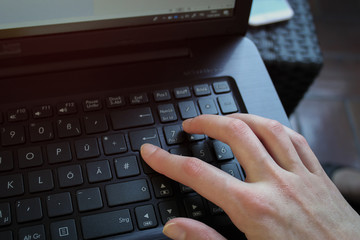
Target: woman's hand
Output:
[(286, 195)]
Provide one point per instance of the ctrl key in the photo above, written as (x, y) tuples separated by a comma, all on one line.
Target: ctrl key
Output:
[(106, 224)]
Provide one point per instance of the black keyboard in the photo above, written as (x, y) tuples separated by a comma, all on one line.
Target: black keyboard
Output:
[(70, 167)]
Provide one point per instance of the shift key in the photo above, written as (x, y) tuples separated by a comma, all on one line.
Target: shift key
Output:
[(131, 118), (106, 224)]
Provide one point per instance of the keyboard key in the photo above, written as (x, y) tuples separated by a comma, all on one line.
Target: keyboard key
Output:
[(43, 111), (162, 95), (105, 224), (28, 210), (182, 92), (115, 101), (222, 151), (63, 230), (6, 235), (19, 114), (66, 108), (40, 181), (138, 138), (98, 171), (202, 151), (30, 157), (185, 189), (69, 127), (89, 199), (126, 166), (145, 216), (227, 104), (92, 105), (127, 192), (114, 144), (181, 151), (207, 106), (6, 161), (202, 90), (232, 169), (12, 135), (138, 117), (41, 131), (70, 176), (196, 137), (194, 207), (59, 152), (187, 109), (162, 186), (174, 134), (95, 123), (5, 216), (168, 210), (214, 209), (87, 148), (32, 233), (140, 98), (167, 113), (59, 204), (11, 185), (221, 87)]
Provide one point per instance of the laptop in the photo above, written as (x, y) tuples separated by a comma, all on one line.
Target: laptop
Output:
[(85, 83)]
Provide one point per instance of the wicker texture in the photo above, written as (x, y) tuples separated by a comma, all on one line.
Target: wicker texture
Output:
[(291, 53)]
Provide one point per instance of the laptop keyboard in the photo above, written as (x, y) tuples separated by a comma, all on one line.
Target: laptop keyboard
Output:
[(71, 168)]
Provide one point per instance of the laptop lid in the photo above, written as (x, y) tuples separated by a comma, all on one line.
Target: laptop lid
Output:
[(33, 28)]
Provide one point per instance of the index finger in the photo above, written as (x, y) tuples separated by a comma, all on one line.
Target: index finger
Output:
[(207, 180)]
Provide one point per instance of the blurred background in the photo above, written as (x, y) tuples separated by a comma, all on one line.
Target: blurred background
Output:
[(329, 114)]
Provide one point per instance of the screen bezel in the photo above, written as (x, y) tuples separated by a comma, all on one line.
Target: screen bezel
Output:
[(30, 45)]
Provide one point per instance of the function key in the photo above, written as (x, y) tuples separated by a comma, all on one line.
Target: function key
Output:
[(115, 101), (19, 114), (92, 105), (221, 87), (139, 98), (42, 111), (182, 92), (202, 90), (162, 95), (66, 108)]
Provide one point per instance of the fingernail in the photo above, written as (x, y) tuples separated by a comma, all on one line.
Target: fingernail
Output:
[(147, 149), (173, 231), (187, 122)]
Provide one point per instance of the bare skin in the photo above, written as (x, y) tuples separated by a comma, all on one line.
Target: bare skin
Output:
[(286, 195)]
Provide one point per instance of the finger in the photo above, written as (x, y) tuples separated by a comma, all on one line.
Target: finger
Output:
[(247, 148), (303, 149), (205, 179), (189, 229), (275, 139)]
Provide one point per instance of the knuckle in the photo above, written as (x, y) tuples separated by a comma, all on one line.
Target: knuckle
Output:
[(299, 140), (274, 127), (193, 167), (237, 127)]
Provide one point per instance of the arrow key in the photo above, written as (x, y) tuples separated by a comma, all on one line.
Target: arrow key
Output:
[(145, 216), (168, 211), (162, 186), (194, 207)]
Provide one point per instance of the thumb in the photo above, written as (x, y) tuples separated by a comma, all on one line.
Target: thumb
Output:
[(189, 229)]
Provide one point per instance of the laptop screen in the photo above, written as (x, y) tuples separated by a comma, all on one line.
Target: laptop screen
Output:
[(37, 17)]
